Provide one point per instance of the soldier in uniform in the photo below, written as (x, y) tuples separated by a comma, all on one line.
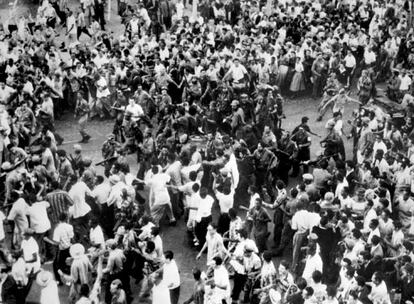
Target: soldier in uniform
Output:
[(109, 153), (303, 142), (131, 131), (248, 107), (82, 111), (287, 152), (265, 160), (332, 142)]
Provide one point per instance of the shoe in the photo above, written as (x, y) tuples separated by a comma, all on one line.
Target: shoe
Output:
[(319, 118), (173, 223)]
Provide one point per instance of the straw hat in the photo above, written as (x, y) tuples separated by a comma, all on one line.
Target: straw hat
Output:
[(43, 278), (76, 251), (114, 179)]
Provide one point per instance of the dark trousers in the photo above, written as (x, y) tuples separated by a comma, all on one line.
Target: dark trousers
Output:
[(108, 219), (201, 229), (83, 30), (239, 281), (60, 263), (174, 295), (285, 240), (81, 229), (177, 204), (40, 242)]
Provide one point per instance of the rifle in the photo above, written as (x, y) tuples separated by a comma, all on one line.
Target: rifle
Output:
[(314, 162), (102, 162)]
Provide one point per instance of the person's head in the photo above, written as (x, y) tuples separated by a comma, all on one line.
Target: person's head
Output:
[(203, 192), (301, 283), (280, 185), (407, 270), (242, 234), (84, 290), (63, 217), (374, 224), (307, 292), (252, 190), (196, 274), (232, 213), (267, 256), (375, 240), (317, 276), (94, 222), (155, 231), (283, 267), (377, 277), (212, 229), (169, 256), (360, 281), (258, 203), (218, 261), (116, 286), (312, 250)]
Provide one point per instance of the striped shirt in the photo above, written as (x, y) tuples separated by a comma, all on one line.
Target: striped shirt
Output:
[(59, 201)]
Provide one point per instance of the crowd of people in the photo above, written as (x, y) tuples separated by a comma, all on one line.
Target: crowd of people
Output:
[(199, 99)]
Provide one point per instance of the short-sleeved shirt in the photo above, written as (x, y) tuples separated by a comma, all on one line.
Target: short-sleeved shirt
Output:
[(96, 236), (18, 214), (63, 234), (39, 220), (30, 247)]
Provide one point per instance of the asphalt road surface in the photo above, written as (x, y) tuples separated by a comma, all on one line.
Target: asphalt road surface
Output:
[(175, 238)]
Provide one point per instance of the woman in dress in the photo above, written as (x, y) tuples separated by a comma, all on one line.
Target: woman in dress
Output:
[(298, 82), (283, 70)]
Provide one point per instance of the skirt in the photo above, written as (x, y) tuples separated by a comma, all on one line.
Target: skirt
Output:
[(282, 75), (298, 82)]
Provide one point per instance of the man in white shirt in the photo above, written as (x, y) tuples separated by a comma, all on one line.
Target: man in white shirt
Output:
[(222, 288), (300, 224), (5, 92), (30, 250), (62, 237), (80, 210), (135, 109), (237, 71), (203, 216), (96, 236), (159, 198), (405, 82), (313, 263), (369, 57), (172, 276), (350, 63), (39, 220)]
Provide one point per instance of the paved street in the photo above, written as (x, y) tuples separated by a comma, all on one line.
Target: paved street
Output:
[(175, 238)]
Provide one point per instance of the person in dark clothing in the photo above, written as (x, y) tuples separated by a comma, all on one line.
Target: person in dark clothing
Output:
[(369, 265), (406, 283), (328, 238), (296, 297)]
